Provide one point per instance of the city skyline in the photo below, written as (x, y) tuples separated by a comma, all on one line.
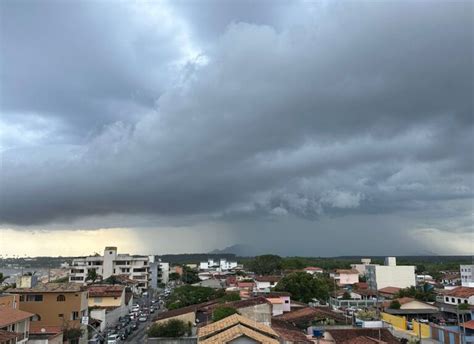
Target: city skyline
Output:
[(293, 127)]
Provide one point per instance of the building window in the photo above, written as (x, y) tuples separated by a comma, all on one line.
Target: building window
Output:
[(287, 301), (36, 317), (22, 298), (453, 300), (61, 298), (74, 315), (459, 300), (61, 315), (34, 298), (97, 299), (446, 299), (465, 301)]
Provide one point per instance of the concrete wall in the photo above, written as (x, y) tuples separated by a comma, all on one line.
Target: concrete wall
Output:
[(423, 329), (396, 321), (188, 317), (260, 313), (381, 276), (108, 318)]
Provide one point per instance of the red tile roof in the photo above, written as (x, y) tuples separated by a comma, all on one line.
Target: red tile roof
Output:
[(389, 290), (5, 336), (347, 271), (38, 329), (468, 324), (464, 292), (105, 290), (312, 268), (10, 316), (267, 278), (346, 336), (289, 332)]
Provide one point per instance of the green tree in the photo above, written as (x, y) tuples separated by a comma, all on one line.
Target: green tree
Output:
[(72, 333), (2, 278), (222, 312), (174, 276), (228, 297), (190, 295), (304, 287), (395, 304), (267, 264), (463, 306), (92, 275), (112, 280), (346, 296), (173, 328), (189, 275)]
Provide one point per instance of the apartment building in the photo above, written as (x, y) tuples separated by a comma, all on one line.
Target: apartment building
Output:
[(14, 323), (55, 305), (345, 277), (390, 275), (220, 265), (135, 267), (159, 272), (467, 275)]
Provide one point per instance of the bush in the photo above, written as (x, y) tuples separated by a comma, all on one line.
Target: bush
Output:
[(190, 295), (230, 297), (222, 312), (395, 304), (304, 287), (173, 328)]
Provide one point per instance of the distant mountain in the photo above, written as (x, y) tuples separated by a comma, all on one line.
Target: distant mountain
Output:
[(239, 250)]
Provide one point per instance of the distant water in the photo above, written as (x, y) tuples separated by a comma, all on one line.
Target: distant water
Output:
[(12, 273)]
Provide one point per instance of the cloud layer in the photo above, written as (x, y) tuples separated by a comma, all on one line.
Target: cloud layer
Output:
[(352, 108)]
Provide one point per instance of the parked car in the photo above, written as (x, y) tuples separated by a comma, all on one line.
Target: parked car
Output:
[(143, 318), (113, 339)]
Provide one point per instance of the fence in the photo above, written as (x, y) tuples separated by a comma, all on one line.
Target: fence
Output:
[(421, 330), (396, 321)]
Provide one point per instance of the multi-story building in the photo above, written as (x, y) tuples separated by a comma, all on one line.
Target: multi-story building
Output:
[(14, 323), (159, 272), (345, 277), (467, 275), (134, 267), (362, 267), (55, 305), (221, 265), (390, 275)]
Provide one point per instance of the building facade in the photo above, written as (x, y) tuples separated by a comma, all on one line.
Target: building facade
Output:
[(59, 305), (467, 275), (135, 267), (14, 323), (159, 272), (390, 275), (221, 265)]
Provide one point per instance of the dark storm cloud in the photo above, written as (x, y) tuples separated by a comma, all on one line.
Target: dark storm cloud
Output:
[(363, 108)]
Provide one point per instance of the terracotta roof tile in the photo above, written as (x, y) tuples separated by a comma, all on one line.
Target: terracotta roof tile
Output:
[(267, 278), (50, 288), (233, 320), (389, 290), (464, 292), (237, 331), (5, 336), (10, 316), (105, 290), (468, 324)]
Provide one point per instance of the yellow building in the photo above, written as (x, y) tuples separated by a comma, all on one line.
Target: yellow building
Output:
[(57, 306)]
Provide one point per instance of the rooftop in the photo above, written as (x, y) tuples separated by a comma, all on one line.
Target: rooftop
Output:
[(347, 271), (50, 288), (267, 278), (464, 292), (347, 336), (6, 336), (389, 290), (10, 316), (105, 290)]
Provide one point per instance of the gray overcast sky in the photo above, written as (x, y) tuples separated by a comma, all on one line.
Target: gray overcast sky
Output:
[(296, 127)]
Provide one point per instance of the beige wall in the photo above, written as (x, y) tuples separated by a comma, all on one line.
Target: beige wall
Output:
[(49, 309), (9, 300), (188, 317), (261, 313), (108, 301)]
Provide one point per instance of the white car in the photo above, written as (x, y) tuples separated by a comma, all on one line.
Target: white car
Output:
[(113, 339), (143, 318)]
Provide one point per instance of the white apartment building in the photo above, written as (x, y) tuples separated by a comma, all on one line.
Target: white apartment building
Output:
[(159, 272), (362, 267), (390, 275), (134, 267), (221, 265), (467, 275)]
